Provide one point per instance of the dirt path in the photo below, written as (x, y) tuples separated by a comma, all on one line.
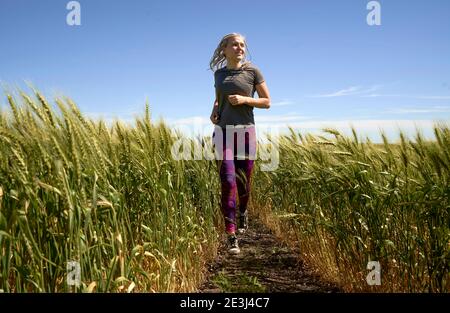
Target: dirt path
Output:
[(264, 265)]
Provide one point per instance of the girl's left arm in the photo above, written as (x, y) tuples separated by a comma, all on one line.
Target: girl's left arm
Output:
[(262, 102)]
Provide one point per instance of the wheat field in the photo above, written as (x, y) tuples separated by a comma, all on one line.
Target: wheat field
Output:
[(349, 202), (112, 199)]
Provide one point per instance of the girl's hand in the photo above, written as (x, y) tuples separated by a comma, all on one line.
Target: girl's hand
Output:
[(237, 99), (214, 117)]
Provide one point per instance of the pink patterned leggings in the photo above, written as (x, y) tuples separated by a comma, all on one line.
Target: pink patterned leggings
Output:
[(235, 165)]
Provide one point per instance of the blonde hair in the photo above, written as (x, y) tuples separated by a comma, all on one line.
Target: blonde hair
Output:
[(218, 59)]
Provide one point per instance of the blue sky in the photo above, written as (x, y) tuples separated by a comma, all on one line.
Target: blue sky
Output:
[(324, 65)]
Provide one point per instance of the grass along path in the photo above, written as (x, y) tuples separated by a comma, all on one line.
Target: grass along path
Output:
[(265, 264)]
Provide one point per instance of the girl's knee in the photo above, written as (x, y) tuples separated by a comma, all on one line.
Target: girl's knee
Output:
[(228, 181)]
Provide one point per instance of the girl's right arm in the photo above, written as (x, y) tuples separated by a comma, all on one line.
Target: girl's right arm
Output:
[(215, 111)]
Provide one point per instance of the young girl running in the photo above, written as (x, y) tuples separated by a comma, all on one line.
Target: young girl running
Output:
[(234, 137)]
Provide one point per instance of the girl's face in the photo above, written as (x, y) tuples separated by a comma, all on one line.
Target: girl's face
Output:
[(235, 49)]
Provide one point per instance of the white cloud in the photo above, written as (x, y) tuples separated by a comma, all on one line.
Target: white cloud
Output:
[(407, 96), (434, 97), (279, 118), (376, 95), (282, 103), (434, 109), (363, 124), (369, 93), (192, 120), (363, 127), (353, 90)]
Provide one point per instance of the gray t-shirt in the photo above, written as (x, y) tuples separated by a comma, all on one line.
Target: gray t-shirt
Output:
[(236, 82)]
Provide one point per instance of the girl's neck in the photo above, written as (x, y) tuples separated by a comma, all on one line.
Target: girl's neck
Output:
[(233, 65)]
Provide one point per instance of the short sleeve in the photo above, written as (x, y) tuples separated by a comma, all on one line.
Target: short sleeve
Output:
[(259, 78)]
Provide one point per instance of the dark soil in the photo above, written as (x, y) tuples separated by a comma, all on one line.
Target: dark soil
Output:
[(264, 264)]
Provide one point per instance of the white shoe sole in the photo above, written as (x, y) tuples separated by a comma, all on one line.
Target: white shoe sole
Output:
[(234, 251)]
